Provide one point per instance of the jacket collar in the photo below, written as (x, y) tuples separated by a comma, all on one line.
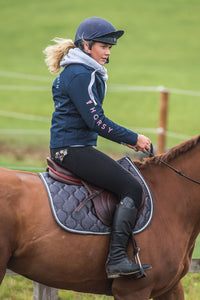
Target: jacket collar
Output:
[(77, 56)]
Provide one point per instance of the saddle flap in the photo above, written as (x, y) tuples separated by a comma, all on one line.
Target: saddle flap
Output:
[(105, 204)]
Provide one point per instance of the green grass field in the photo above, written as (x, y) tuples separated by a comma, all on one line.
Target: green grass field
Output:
[(20, 288), (160, 48)]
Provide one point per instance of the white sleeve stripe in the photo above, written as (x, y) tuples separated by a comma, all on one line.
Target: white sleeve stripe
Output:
[(90, 88)]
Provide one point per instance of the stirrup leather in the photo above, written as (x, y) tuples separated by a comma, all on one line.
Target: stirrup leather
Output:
[(136, 251)]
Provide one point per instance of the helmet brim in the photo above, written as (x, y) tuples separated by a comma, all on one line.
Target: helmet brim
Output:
[(110, 38)]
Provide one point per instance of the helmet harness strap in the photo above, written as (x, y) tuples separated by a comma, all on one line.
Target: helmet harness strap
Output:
[(90, 44)]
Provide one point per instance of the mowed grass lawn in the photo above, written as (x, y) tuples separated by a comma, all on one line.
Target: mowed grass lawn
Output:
[(160, 48)]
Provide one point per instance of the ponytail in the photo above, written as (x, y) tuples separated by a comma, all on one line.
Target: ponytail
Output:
[(55, 53)]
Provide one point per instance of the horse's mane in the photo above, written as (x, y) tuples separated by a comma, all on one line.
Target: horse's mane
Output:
[(171, 154)]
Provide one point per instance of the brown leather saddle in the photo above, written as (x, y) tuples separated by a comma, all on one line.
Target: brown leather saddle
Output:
[(104, 202)]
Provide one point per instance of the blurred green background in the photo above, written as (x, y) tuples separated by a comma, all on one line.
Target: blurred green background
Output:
[(160, 47)]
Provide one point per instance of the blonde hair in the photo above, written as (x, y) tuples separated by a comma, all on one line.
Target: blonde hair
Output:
[(55, 53)]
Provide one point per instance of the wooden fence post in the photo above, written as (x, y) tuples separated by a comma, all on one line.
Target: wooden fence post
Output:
[(161, 146), (195, 266), (40, 291), (43, 292)]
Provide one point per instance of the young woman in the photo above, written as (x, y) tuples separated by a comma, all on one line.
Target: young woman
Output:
[(78, 119)]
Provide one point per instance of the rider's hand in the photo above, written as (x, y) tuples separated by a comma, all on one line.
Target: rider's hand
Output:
[(143, 144)]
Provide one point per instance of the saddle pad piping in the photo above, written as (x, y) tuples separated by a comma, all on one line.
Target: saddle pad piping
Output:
[(150, 196), (55, 215)]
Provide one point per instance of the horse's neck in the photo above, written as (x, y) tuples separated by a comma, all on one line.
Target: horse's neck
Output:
[(189, 191), (176, 194)]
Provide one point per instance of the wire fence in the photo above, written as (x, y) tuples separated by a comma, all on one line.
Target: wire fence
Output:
[(111, 87), (42, 119)]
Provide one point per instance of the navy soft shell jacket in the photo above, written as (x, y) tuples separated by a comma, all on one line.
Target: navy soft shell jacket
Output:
[(79, 118)]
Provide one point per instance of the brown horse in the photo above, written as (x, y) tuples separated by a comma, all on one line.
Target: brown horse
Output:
[(33, 245)]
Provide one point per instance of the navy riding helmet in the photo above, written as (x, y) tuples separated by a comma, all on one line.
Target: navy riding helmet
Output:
[(97, 30)]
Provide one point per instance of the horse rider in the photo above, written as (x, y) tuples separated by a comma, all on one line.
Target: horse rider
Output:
[(78, 119)]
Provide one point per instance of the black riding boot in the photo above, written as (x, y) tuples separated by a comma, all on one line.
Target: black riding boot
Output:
[(118, 263)]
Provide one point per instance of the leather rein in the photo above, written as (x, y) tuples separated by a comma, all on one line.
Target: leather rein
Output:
[(151, 154)]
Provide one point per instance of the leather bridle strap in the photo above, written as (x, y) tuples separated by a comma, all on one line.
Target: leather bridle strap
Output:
[(151, 154)]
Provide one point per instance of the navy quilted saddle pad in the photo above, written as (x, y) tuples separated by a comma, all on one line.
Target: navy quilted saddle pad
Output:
[(64, 199)]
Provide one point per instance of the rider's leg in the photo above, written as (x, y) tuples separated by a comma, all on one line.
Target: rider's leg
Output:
[(118, 263), (99, 169)]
